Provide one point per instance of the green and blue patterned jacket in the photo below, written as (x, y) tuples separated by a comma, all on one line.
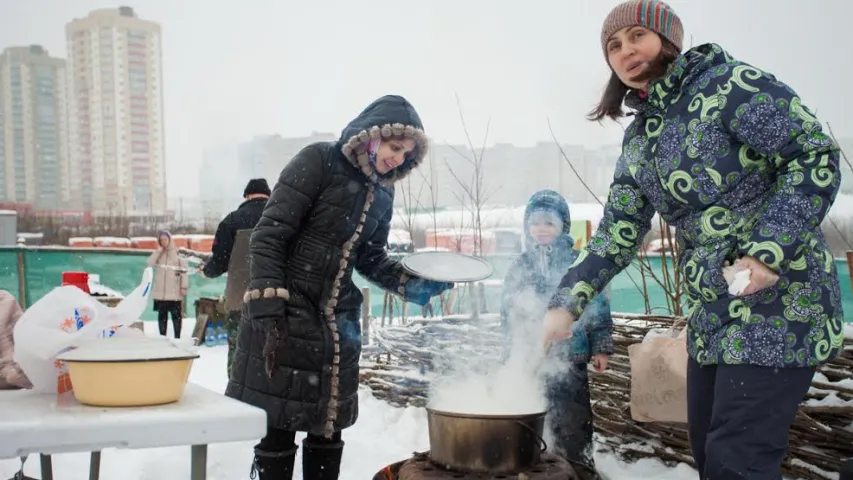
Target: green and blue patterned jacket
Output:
[(732, 158)]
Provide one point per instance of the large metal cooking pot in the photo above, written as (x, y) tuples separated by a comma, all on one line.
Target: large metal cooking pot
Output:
[(495, 444)]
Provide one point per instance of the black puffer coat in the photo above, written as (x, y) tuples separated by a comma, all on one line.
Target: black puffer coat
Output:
[(299, 343)]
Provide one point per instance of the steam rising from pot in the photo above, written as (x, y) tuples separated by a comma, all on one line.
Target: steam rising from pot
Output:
[(511, 382)]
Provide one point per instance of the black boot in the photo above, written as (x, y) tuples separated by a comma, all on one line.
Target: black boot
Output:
[(273, 465), (321, 461)]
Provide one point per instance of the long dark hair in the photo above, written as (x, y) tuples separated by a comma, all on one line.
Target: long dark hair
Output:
[(610, 105)]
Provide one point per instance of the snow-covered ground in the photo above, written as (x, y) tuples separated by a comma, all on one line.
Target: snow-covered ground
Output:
[(382, 435)]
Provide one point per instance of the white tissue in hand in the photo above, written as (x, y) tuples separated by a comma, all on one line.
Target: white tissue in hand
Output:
[(737, 278)]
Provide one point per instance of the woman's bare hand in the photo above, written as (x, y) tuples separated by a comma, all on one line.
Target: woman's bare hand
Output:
[(557, 327), (761, 277)]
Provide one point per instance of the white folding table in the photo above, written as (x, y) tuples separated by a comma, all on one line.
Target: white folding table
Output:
[(48, 424)]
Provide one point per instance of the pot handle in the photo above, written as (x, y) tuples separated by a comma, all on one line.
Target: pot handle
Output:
[(538, 437)]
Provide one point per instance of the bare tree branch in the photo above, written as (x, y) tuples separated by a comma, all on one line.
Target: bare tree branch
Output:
[(410, 207), (432, 185), (672, 287), (850, 166), (473, 189), (843, 155)]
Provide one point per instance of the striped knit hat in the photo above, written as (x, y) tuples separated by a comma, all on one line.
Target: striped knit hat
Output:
[(655, 15)]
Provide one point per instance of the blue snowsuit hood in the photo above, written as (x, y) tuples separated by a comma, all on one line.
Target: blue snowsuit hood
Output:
[(534, 277), (553, 202)]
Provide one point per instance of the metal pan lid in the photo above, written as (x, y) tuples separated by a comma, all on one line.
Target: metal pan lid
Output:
[(447, 267)]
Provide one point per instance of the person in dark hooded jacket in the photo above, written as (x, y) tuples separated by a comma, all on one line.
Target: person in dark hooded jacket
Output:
[(246, 216), (229, 254), (529, 283), (299, 341)]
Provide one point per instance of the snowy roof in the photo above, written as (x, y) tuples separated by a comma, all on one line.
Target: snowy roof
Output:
[(461, 232), (396, 235), (489, 217), (513, 217), (121, 240), (96, 288)]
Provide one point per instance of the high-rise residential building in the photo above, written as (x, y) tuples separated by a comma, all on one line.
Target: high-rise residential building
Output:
[(219, 180), (227, 167), (264, 156), (33, 158), (116, 129)]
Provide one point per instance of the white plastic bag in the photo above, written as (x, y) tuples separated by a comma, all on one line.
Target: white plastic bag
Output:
[(61, 320)]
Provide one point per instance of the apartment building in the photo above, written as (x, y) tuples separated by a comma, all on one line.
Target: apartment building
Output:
[(116, 130), (34, 163), (508, 174)]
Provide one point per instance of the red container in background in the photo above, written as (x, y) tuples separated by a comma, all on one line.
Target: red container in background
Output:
[(77, 279)]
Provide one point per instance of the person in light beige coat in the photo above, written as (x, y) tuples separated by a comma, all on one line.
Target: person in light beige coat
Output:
[(170, 283)]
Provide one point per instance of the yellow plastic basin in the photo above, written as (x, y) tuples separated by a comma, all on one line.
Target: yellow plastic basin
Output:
[(123, 373)]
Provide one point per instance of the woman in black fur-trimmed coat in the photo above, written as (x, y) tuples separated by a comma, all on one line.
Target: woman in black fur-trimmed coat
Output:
[(299, 341)]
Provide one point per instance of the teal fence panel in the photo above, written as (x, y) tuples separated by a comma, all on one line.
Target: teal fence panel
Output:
[(121, 270), (44, 267), (9, 271)]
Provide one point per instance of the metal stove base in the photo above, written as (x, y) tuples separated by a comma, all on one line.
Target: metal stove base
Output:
[(551, 467)]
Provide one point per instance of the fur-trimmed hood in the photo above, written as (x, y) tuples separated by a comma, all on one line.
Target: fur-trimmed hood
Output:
[(387, 116)]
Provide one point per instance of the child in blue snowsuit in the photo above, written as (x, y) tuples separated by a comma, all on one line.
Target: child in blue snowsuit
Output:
[(532, 278)]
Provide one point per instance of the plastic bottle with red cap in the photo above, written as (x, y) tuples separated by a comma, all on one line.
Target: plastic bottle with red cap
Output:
[(76, 279)]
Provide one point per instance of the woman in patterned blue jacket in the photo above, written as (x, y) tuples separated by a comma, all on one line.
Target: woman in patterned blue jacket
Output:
[(732, 158), (530, 281)]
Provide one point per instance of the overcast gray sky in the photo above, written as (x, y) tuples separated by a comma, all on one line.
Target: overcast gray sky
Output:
[(292, 67)]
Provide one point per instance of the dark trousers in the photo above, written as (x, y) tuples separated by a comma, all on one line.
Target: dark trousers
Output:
[(570, 415), (739, 417), (278, 440), (164, 309)]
